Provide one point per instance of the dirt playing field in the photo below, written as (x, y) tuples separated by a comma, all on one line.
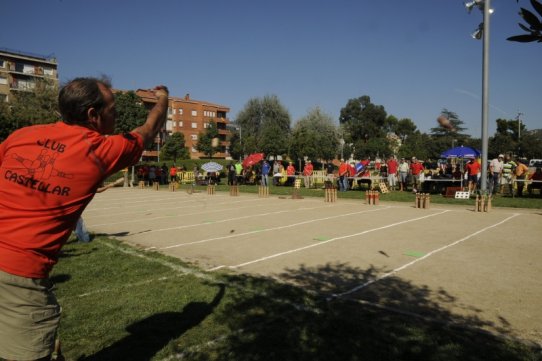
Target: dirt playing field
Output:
[(446, 263)]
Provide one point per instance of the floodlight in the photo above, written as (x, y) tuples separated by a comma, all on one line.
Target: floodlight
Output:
[(479, 32)]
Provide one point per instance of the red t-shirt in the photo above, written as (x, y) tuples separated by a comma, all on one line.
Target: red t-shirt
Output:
[(416, 168), (473, 168), (392, 166), (48, 175)]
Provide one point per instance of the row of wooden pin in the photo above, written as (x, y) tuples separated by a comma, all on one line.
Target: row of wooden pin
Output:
[(423, 200), (482, 204), (263, 192), (372, 197)]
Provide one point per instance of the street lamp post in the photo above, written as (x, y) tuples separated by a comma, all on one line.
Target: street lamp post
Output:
[(485, 6)]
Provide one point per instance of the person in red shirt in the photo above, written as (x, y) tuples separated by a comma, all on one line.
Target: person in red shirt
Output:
[(307, 173), (343, 176), (416, 169), (48, 175), (473, 169), (393, 168), (173, 174), (290, 172)]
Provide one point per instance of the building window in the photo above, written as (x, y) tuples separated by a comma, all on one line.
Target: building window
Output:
[(180, 111), (194, 113), (194, 125), (3, 98), (2, 63), (169, 125), (180, 124), (169, 111), (3, 80), (194, 137), (205, 125)]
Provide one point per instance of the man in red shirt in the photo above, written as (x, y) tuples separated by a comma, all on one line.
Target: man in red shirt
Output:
[(416, 169), (473, 170), (48, 175), (393, 168), (307, 173), (290, 172), (343, 176)]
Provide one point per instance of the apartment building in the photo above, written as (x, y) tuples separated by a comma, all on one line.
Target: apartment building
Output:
[(190, 117), (20, 71)]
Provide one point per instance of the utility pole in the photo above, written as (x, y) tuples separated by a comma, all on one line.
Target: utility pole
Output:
[(518, 118)]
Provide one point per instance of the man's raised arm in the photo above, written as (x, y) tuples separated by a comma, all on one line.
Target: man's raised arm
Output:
[(157, 116)]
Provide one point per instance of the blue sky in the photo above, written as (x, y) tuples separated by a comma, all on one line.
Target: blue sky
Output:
[(413, 57)]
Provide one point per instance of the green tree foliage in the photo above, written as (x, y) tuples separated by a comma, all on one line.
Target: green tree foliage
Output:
[(362, 120), (314, 136), (38, 106), (7, 125), (456, 129), (174, 148), (131, 113), (512, 137), (371, 148), (265, 126), (205, 140), (235, 149), (533, 29), (418, 146), (404, 129)]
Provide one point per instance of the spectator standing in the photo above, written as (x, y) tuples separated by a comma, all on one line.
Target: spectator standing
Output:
[(307, 173), (416, 169), (79, 157), (508, 170), (266, 168), (472, 168), (536, 176), (290, 172), (495, 172), (403, 174), (521, 173), (173, 173), (343, 176), (393, 169)]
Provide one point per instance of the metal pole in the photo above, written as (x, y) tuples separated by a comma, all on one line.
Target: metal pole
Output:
[(485, 96)]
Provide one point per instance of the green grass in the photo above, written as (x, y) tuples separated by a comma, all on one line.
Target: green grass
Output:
[(121, 303)]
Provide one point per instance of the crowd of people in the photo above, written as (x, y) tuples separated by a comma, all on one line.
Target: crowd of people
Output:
[(412, 175)]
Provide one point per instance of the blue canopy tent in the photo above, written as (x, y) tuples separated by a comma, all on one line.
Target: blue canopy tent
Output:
[(461, 152)]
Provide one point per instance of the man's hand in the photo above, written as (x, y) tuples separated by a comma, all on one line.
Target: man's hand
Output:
[(157, 116), (161, 90)]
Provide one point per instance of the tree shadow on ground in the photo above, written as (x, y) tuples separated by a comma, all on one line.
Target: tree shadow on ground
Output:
[(152, 334), (295, 317)]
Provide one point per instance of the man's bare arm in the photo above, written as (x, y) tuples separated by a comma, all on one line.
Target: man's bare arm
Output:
[(157, 116)]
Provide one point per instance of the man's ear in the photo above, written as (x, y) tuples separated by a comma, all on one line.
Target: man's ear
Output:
[(93, 116)]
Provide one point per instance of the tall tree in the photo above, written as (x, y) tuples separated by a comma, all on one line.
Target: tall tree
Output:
[(314, 136), (456, 125), (404, 129), (7, 124), (362, 120), (131, 112), (265, 126), (37, 106), (208, 141), (175, 148)]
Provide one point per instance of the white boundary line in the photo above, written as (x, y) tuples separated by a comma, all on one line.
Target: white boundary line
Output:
[(328, 241), (272, 229), (229, 219), (167, 209), (398, 269)]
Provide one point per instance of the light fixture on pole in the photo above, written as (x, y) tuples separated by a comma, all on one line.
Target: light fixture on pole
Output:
[(483, 33)]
